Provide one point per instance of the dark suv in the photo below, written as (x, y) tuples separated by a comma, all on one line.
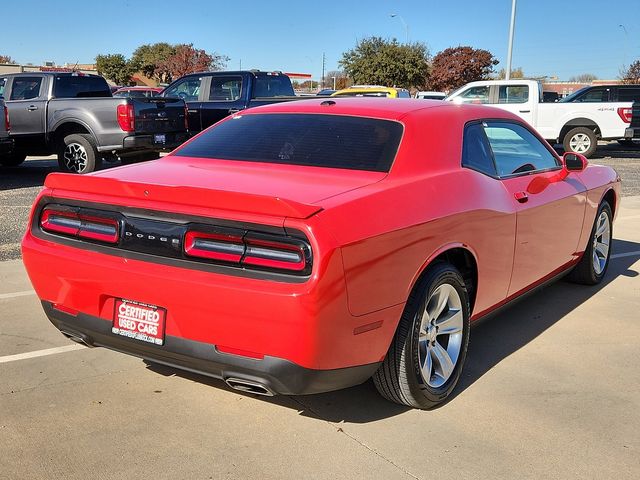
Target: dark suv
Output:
[(605, 93)]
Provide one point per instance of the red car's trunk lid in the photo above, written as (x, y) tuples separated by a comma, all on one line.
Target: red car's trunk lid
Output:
[(270, 189)]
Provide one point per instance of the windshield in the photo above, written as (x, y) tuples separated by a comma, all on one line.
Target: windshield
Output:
[(331, 141)]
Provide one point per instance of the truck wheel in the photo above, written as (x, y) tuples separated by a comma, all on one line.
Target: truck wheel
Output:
[(580, 140), (13, 159), (78, 154)]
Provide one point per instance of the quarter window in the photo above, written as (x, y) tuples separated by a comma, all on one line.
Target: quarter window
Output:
[(25, 88), (476, 152), (516, 150)]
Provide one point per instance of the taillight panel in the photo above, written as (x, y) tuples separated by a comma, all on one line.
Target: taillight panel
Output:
[(625, 113), (192, 244), (126, 117)]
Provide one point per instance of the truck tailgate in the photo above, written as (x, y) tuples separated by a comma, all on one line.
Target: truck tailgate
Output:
[(159, 114)]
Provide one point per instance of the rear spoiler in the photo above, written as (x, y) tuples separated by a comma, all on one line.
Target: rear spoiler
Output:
[(184, 195)]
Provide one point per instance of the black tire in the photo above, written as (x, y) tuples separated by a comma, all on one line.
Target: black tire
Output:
[(585, 271), (580, 131), (81, 154), (13, 159), (399, 378)]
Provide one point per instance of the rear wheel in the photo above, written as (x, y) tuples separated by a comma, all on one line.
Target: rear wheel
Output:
[(13, 159), (581, 140), (427, 353), (78, 154), (595, 260)]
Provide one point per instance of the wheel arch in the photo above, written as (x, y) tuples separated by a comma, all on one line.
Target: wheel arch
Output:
[(579, 122), (69, 127), (462, 257), (610, 197)]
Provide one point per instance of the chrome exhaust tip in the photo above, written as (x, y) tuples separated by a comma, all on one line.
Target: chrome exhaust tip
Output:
[(248, 386), (76, 338)]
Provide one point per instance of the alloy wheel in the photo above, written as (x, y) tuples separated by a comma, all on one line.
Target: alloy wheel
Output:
[(75, 157), (580, 143), (601, 243), (440, 335)]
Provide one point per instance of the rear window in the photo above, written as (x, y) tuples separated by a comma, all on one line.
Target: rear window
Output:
[(71, 86), (331, 141), (360, 93)]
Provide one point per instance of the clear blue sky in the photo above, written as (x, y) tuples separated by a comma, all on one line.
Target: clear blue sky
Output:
[(553, 37)]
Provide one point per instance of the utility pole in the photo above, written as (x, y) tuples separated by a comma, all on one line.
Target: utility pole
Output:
[(322, 78), (507, 74)]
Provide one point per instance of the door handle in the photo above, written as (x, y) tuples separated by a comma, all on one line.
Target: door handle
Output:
[(521, 197), (31, 108), (524, 111), (233, 110), (192, 111)]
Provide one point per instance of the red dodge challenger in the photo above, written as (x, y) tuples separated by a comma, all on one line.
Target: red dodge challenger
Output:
[(307, 246)]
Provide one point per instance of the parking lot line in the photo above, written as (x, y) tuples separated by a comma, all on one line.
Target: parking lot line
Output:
[(23, 293), (627, 254), (40, 353)]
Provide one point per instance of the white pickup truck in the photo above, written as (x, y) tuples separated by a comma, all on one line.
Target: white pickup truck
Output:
[(577, 125)]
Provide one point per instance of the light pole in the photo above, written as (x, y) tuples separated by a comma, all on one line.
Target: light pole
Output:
[(334, 82), (626, 45), (512, 27), (406, 27)]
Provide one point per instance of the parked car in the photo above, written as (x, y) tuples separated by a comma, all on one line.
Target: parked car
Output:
[(431, 95), (304, 247), (326, 92), (604, 94), (74, 116), (634, 125), (137, 92), (577, 125), (6, 144), (372, 91), (211, 96)]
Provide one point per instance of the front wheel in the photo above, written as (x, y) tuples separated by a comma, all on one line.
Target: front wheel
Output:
[(427, 353), (78, 154), (581, 140), (593, 265)]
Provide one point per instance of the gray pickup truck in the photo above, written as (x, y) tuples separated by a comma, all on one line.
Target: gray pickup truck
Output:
[(74, 116), (6, 144)]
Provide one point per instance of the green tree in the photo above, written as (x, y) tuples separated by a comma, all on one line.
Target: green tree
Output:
[(116, 68), (387, 62), (631, 74), (516, 73), (457, 66), (149, 58)]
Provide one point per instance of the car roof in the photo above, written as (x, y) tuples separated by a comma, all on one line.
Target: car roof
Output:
[(383, 108)]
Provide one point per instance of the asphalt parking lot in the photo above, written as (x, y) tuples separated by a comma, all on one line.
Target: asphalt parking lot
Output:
[(551, 389)]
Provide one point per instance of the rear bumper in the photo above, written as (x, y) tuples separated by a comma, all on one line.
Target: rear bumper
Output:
[(632, 132), (151, 143), (277, 375)]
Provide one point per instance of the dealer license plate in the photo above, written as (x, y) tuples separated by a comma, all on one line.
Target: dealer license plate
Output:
[(160, 138), (139, 321)]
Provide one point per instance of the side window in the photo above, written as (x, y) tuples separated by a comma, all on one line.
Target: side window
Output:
[(225, 89), (3, 83), (476, 153), (513, 94), (404, 94), (475, 95), (516, 149), (595, 95), (25, 88), (188, 90), (624, 94)]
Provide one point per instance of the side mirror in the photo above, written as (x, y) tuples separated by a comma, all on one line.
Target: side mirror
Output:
[(574, 162)]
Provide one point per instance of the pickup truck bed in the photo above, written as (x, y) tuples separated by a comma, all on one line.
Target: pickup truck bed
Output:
[(75, 117)]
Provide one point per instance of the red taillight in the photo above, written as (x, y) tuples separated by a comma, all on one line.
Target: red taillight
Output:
[(263, 251), (7, 125), (186, 117), (214, 246), (126, 117), (76, 224), (625, 114)]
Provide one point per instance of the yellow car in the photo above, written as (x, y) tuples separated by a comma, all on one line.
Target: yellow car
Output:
[(372, 91)]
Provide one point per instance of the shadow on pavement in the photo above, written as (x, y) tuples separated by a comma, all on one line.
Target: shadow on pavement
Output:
[(30, 174)]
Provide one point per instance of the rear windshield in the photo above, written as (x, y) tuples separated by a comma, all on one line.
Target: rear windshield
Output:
[(71, 86), (362, 94), (331, 141)]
